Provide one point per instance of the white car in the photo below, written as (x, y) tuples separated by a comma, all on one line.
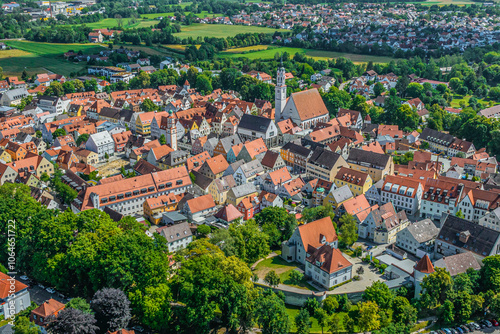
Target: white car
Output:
[(40, 285), (50, 290), (24, 278)]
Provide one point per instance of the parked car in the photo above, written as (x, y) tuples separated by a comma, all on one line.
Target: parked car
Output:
[(40, 285), (465, 329), (24, 277), (50, 290), (494, 322), (488, 323)]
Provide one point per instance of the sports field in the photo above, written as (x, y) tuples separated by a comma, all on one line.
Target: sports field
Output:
[(41, 57), (220, 30), (269, 53)]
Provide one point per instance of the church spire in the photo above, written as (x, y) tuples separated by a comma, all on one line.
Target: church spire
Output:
[(280, 92)]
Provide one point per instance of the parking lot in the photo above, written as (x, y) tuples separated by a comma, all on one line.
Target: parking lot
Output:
[(481, 331)]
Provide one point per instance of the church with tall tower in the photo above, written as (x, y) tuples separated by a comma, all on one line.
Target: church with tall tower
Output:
[(280, 91)]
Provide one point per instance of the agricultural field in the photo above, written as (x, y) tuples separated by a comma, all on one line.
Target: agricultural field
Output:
[(442, 2), (220, 30), (201, 15), (41, 57), (268, 53), (126, 23)]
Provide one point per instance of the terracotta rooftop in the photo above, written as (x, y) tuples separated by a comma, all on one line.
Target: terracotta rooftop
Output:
[(425, 265)]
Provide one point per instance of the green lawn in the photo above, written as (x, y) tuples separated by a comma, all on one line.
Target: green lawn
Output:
[(292, 312), (316, 54), (41, 57), (283, 269), (219, 30), (203, 14), (457, 99)]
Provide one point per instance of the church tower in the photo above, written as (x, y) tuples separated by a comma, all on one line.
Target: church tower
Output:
[(280, 93), (172, 130), (422, 269)]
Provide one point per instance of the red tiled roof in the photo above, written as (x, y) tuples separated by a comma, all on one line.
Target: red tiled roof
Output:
[(5, 285)]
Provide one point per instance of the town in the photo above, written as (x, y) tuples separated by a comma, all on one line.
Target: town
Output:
[(148, 190)]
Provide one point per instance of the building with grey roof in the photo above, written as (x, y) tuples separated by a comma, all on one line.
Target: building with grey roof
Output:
[(13, 96), (178, 236), (101, 143), (419, 235), (458, 263), (459, 235)]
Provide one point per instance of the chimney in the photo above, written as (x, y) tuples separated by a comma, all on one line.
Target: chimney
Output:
[(464, 236)]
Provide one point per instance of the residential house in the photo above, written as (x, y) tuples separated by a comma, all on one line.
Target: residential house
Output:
[(219, 188), (381, 218), (324, 164), (252, 127), (375, 164), (459, 235), (87, 157), (355, 117), (154, 207), (295, 156), (249, 207), (418, 238), (314, 234), (272, 161), (199, 207), (13, 97), (236, 194), (404, 192), (173, 159), (248, 172), (251, 149), (228, 214), (178, 236), (459, 263), (225, 144), (41, 315), (358, 182), (14, 296), (337, 196), (214, 168), (101, 143)]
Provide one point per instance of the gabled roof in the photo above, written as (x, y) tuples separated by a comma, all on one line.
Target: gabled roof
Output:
[(458, 263), (352, 176), (5, 285), (480, 240), (313, 233), (296, 149), (324, 157), (254, 123), (175, 232), (270, 158), (359, 156), (217, 164), (423, 230), (201, 203), (309, 104)]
